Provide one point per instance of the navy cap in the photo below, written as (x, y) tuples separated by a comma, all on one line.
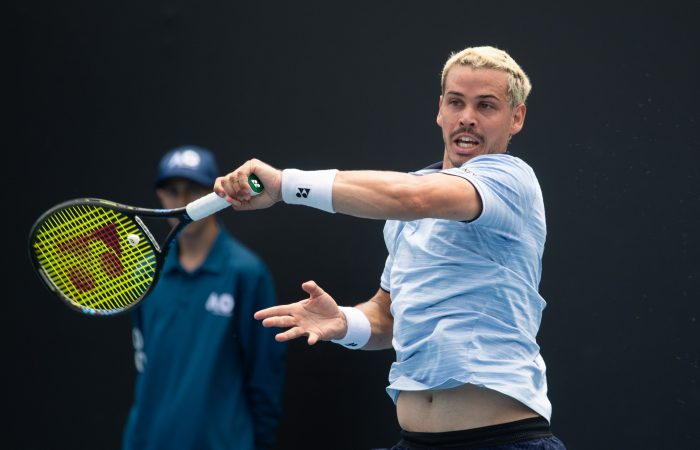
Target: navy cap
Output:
[(190, 162)]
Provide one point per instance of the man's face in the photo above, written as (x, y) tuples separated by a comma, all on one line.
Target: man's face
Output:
[(475, 114)]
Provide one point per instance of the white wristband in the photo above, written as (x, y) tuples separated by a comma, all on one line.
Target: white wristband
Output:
[(359, 329), (309, 188)]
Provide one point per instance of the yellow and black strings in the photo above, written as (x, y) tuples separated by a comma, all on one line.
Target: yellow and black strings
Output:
[(85, 252)]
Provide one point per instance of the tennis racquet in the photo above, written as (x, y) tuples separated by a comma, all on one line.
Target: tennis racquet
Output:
[(100, 258)]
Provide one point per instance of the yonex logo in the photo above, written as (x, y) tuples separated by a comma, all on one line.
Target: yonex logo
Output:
[(303, 192), (220, 304)]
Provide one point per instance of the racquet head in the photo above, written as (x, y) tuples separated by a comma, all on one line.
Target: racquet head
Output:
[(96, 255), (100, 258)]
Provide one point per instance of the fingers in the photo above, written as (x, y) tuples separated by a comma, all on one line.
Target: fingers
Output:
[(225, 187), (315, 317), (243, 177), (280, 310), (294, 333), (234, 185), (313, 338), (313, 289), (280, 322)]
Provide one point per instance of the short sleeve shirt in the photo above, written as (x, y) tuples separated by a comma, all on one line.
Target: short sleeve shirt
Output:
[(465, 295)]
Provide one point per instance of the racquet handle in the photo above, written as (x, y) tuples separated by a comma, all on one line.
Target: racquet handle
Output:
[(212, 203), (206, 206)]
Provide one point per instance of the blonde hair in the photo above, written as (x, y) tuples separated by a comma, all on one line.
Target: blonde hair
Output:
[(487, 57)]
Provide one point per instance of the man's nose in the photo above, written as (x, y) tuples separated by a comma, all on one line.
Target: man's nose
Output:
[(467, 117)]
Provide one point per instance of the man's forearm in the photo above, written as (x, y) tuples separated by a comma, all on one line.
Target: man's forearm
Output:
[(377, 310), (400, 196)]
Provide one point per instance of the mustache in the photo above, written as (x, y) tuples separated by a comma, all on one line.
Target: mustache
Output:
[(468, 130)]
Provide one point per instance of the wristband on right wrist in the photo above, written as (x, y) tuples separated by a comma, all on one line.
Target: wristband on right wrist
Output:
[(359, 329), (309, 188)]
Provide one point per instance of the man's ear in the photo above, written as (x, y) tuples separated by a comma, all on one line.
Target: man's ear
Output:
[(439, 115), (519, 112)]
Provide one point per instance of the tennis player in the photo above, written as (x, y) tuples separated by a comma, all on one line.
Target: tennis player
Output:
[(458, 297)]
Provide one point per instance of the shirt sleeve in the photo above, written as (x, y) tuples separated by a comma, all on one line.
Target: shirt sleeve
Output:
[(505, 185), (263, 357)]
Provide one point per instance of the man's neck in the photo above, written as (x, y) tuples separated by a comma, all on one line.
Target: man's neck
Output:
[(195, 247)]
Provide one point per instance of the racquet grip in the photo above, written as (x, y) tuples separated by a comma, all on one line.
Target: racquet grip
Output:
[(206, 206), (212, 203)]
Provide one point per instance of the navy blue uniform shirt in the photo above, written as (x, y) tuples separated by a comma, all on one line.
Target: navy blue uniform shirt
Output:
[(209, 375)]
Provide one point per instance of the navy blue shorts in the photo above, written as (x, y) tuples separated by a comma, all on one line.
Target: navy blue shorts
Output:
[(548, 443), (528, 434)]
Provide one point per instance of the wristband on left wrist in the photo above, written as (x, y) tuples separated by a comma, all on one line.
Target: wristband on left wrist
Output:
[(359, 329)]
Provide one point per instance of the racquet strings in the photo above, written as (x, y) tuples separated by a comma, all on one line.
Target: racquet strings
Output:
[(99, 259)]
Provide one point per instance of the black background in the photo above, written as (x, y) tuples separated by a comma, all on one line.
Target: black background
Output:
[(97, 91)]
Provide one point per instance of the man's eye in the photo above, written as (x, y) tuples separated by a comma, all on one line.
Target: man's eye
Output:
[(486, 106)]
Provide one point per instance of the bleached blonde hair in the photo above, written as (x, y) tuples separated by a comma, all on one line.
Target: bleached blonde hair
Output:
[(488, 57)]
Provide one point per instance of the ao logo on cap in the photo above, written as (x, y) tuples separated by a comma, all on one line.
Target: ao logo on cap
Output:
[(186, 158)]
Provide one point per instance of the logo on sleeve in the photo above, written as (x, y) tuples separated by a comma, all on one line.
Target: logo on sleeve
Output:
[(303, 192), (220, 304), (468, 170)]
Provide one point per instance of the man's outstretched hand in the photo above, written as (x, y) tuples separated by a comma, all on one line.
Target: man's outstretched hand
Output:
[(317, 317)]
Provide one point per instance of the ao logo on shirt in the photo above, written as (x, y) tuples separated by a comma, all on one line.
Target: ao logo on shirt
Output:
[(140, 358), (220, 304)]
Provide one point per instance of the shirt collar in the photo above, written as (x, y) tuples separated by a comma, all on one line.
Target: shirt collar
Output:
[(430, 169), (434, 166), (438, 165)]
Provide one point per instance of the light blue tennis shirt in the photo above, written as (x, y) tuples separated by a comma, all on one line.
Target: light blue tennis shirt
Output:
[(464, 295)]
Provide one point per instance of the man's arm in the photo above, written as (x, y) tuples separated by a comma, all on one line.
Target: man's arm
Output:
[(377, 310), (395, 195), (364, 193)]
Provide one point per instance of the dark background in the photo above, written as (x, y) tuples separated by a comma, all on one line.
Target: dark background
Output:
[(97, 91)]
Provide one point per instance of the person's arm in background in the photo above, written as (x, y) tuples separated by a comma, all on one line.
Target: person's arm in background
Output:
[(263, 358)]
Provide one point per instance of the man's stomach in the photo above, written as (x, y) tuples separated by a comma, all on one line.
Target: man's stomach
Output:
[(460, 408)]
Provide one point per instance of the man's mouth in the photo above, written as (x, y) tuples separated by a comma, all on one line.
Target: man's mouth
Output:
[(466, 142)]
